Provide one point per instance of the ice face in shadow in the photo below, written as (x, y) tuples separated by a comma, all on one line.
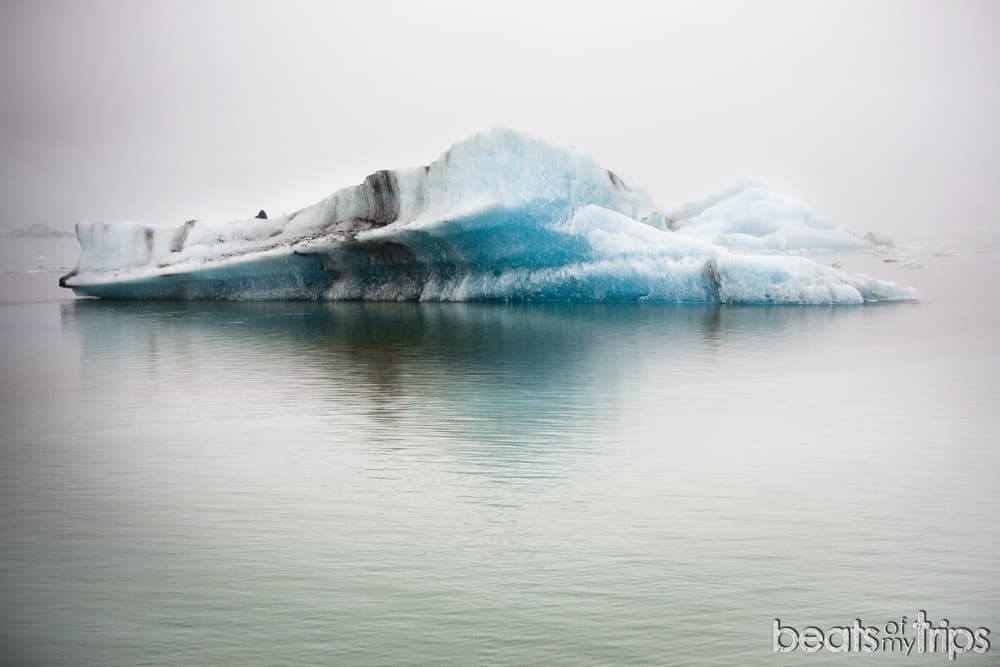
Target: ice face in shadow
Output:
[(499, 216)]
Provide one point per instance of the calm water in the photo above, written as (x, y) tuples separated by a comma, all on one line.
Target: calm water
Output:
[(393, 484)]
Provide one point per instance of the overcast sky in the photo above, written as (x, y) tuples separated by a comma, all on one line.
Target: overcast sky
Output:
[(883, 115)]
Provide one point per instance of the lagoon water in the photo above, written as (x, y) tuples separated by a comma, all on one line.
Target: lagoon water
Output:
[(396, 484)]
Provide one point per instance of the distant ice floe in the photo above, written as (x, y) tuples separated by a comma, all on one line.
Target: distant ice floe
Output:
[(38, 231), (499, 216), (879, 240)]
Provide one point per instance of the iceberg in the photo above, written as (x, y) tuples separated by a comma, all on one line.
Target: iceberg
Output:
[(499, 216)]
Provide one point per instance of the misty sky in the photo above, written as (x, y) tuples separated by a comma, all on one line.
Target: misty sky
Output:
[(883, 115)]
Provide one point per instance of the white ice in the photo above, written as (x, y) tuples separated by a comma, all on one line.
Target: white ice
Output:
[(748, 216)]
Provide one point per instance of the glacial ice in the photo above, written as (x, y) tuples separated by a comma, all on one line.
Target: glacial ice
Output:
[(499, 216)]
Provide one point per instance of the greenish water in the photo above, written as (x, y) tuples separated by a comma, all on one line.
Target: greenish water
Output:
[(393, 484)]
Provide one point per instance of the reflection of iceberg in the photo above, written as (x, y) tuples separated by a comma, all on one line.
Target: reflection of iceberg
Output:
[(498, 216), (489, 389)]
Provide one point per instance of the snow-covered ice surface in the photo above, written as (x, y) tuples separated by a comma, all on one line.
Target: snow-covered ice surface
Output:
[(498, 216), (748, 216)]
